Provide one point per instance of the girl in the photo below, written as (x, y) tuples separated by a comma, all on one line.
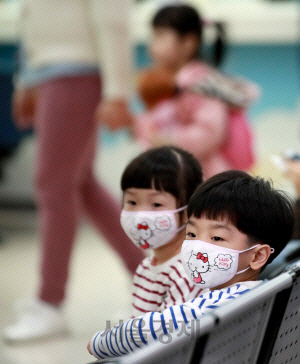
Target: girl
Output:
[(206, 114), (189, 103), (156, 188)]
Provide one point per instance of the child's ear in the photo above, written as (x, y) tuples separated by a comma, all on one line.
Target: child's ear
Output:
[(260, 256)]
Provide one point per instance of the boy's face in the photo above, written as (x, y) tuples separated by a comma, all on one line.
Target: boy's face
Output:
[(220, 233), (170, 50)]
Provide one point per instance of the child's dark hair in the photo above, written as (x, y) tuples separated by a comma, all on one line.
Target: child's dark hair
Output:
[(251, 204), (184, 20), (168, 168)]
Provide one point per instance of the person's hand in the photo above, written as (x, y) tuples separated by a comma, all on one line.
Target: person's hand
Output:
[(293, 173), (23, 107), (89, 348), (114, 113)]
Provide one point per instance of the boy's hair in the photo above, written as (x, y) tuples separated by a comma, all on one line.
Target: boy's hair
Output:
[(168, 168), (182, 18), (251, 204)]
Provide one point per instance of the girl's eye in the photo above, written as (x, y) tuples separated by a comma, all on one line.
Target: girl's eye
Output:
[(131, 202), (191, 235), (216, 238), (156, 204)]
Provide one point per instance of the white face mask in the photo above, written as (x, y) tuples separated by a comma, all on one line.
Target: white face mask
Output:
[(210, 265), (150, 229)]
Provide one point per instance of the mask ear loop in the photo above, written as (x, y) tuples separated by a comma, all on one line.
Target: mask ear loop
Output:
[(243, 251), (181, 228), (242, 271), (252, 247), (178, 210)]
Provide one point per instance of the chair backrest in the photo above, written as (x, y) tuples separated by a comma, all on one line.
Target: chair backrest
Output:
[(241, 326), (260, 327), (282, 340)]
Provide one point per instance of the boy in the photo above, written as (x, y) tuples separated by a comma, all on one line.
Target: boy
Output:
[(236, 222)]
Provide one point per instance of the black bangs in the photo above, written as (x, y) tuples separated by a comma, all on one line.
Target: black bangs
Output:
[(214, 205), (156, 169), (236, 197), (168, 168), (251, 204)]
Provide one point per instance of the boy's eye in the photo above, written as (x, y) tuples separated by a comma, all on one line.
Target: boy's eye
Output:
[(156, 204), (216, 238), (191, 235)]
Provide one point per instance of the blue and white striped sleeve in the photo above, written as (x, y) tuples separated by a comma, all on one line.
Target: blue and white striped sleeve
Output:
[(140, 331)]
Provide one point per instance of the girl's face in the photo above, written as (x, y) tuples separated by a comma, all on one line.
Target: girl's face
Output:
[(140, 199), (170, 50)]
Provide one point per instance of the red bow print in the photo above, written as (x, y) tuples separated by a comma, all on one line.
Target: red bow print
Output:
[(140, 227), (200, 256)]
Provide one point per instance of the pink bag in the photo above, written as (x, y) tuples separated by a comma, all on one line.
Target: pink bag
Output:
[(199, 78), (239, 148)]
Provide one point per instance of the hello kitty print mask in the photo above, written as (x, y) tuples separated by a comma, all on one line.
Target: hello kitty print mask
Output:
[(210, 265), (150, 229)]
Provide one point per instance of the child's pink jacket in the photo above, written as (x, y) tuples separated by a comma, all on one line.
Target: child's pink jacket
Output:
[(192, 121)]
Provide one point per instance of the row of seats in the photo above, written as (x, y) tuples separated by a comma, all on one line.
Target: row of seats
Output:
[(260, 327)]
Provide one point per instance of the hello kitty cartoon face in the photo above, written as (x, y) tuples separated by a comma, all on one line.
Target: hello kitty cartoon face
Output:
[(142, 232), (198, 263), (150, 229)]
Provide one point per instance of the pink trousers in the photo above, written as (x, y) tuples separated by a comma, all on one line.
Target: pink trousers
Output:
[(66, 186)]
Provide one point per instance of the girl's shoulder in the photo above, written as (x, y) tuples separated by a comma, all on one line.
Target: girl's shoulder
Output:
[(167, 267), (173, 269), (202, 79)]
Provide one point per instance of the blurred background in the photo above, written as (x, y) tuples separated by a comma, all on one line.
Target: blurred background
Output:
[(263, 45)]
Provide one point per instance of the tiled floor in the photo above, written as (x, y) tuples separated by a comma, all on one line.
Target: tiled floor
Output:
[(99, 288)]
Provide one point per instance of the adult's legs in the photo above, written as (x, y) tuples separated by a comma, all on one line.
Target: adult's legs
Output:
[(64, 125), (67, 135)]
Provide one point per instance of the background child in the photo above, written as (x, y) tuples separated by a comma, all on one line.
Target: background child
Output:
[(230, 214), (189, 103), (157, 186)]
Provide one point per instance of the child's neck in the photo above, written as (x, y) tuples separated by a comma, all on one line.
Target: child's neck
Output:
[(168, 251)]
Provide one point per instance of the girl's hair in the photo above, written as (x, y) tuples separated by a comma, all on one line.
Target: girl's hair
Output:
[(184, 20), (168, 168)]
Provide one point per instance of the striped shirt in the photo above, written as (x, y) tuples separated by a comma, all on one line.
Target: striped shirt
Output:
[(157, 287), (136, 333)]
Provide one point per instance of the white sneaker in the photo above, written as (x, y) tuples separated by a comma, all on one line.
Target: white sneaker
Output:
[(38, 320)]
